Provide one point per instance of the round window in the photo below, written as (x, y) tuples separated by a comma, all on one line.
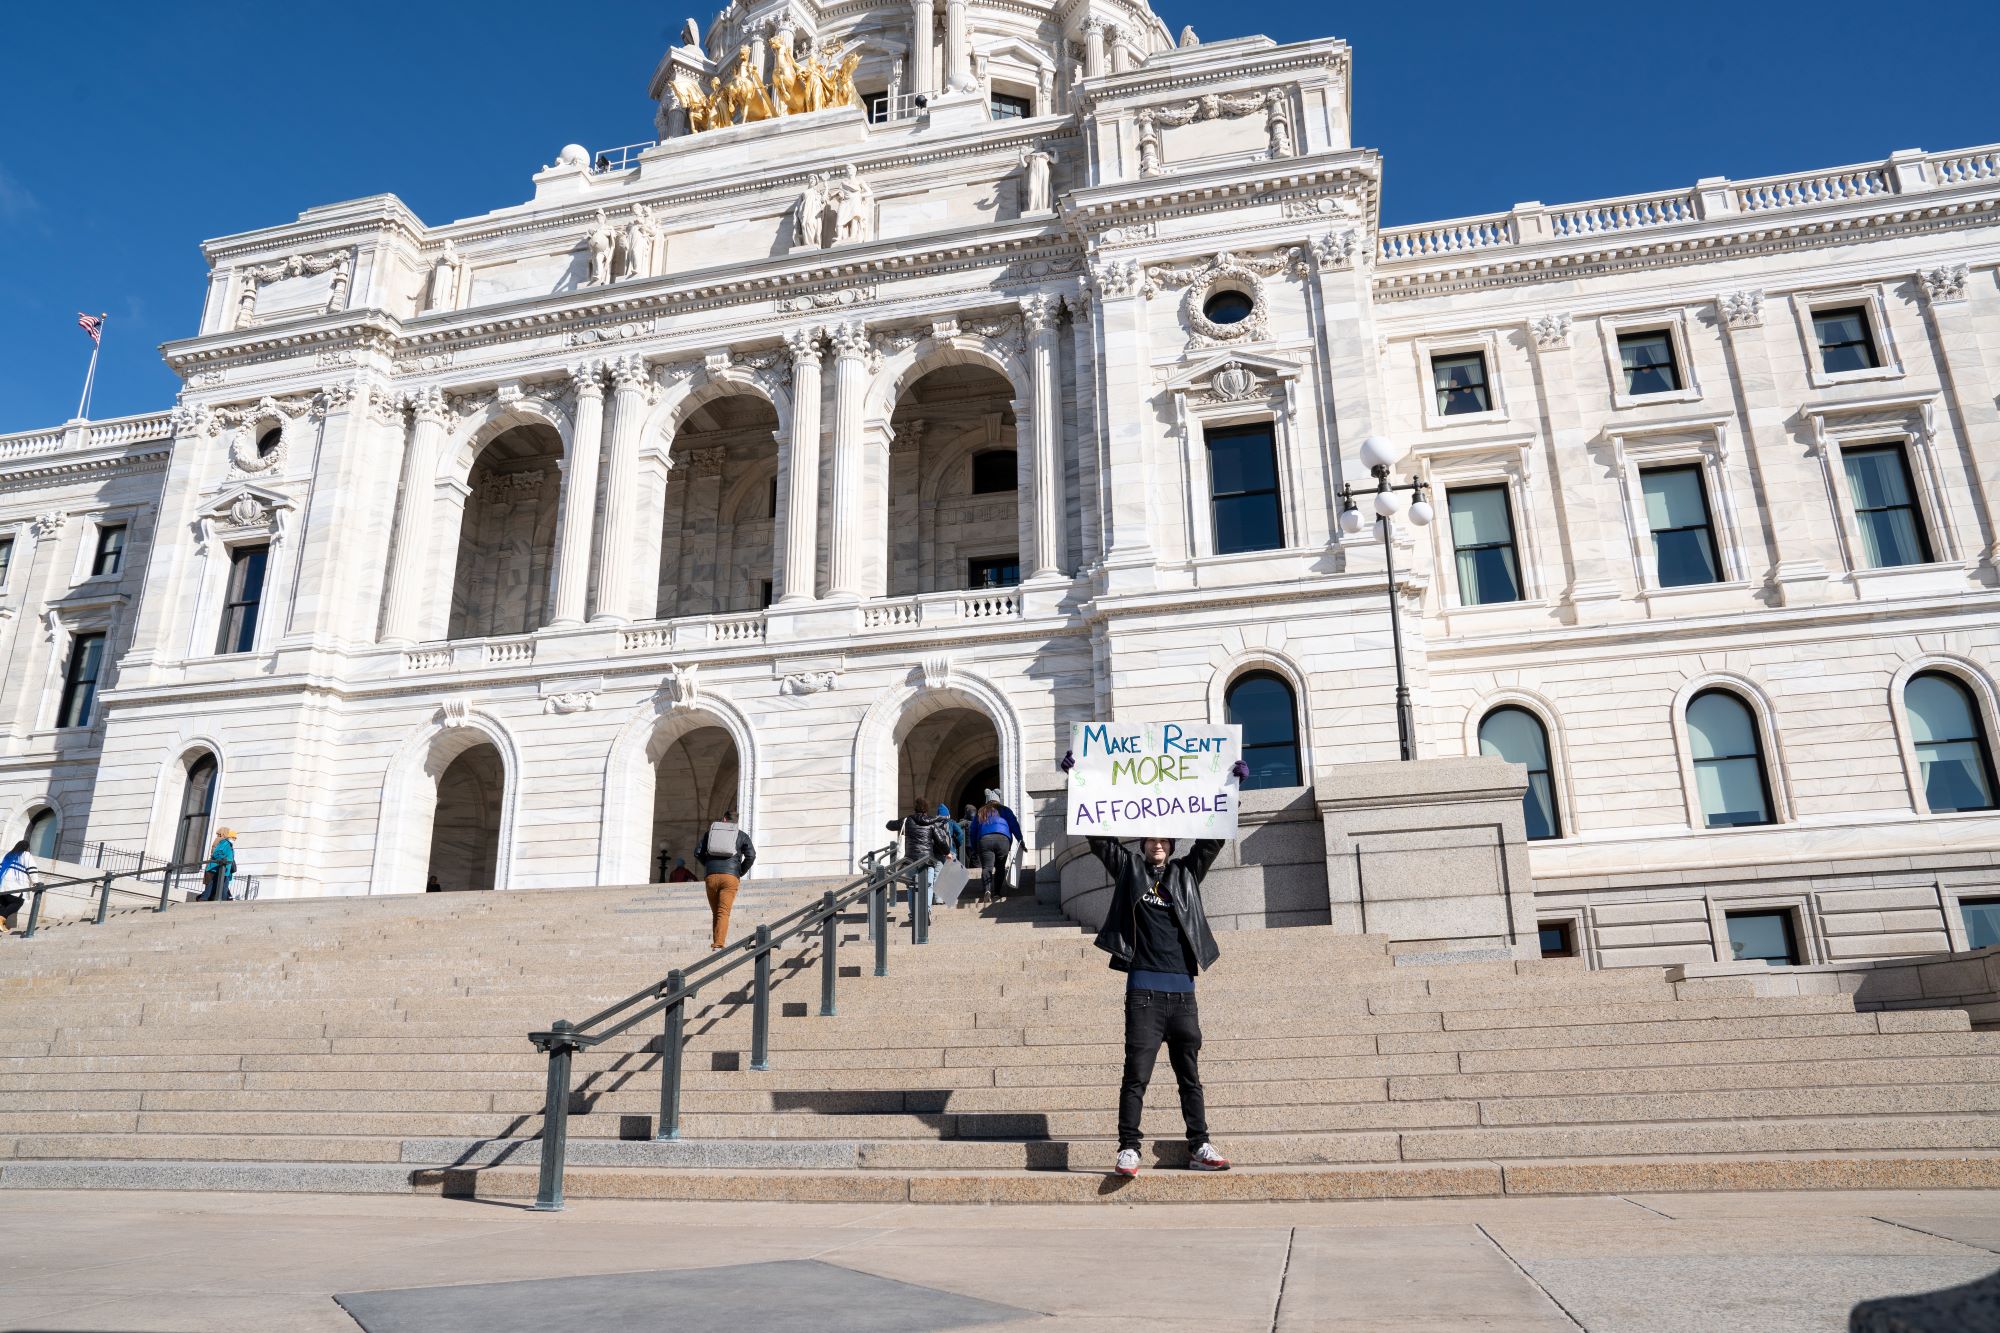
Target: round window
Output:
[(268, 441), (1228, 307)]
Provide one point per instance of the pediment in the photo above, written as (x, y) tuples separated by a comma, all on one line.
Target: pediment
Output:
[(1201, 374)]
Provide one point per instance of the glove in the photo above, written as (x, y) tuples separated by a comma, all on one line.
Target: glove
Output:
[(1240, 771), (1068, 761)]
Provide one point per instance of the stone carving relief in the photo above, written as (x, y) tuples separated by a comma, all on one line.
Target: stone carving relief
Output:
[(642, 241), (570, 701), (250, 280), (1742, 310), (807, 682), (1550, 331), (1270, 103), (1336, 249), (846, 198), (455, 713), (1113, 277), (1037, 190), (679, 687), (602, 244), (936, 669), (445, 276), (1233, 382), (1944, 283), (707, 462), (833, 299), (617, 331), (45, 526)]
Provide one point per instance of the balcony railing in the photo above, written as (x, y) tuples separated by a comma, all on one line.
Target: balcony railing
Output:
[(621, 157), (107, 434)]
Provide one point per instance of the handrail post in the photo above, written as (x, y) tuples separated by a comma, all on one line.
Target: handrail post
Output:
[(760, 1007), (878, 915), (671, 1042), (34, 913), (829, 945), (920, 902), (555, 1118), (166, 887), (104, 898)]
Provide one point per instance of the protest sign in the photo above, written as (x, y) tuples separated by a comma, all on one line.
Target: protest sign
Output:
[(1153, 779)]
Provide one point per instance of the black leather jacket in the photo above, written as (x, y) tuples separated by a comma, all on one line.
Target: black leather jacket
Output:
[(1180, 886), (923, 835)]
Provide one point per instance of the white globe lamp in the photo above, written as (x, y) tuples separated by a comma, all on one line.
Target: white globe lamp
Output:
[(1378, 451), (1388, 504), (1350, 520), (1421, 513)]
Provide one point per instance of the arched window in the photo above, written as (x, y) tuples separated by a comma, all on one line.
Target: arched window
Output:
[(43, 830), (1953, 759), (1516, 735), (1261, 703), (197, 804), (1729, 776)]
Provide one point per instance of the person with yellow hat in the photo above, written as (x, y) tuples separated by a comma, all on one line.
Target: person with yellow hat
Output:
[(221, 867)]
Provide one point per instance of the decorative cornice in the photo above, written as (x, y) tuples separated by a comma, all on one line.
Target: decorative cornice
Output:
[(1742, 310)]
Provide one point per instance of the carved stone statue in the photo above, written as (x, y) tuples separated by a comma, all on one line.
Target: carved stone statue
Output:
[(444, 279), (1149, 147), (1038, 196), (641, 234), (1279, 124), (603, 243), (810, 222), (853, 208), (1188, 39)]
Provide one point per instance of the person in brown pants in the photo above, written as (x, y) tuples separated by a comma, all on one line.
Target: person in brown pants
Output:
[(725, 867)]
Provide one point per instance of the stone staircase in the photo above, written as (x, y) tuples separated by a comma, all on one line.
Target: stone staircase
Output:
[(379, 1045)]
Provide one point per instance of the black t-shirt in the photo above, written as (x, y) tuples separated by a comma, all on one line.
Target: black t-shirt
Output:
[(1157, 944)]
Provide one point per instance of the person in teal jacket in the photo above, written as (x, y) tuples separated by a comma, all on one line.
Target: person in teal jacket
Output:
[(220, 868)]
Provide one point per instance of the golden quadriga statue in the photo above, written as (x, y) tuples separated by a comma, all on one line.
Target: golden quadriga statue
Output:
[(824, 80)]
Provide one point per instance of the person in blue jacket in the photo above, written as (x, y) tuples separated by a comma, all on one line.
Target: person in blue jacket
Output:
[(955, 831), (220, 868), (995, 830)]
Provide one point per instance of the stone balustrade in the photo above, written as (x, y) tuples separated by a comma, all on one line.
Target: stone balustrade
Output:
[(79, 435)]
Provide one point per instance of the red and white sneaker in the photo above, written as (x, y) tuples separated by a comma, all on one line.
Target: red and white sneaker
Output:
[(1206, 1158), (1128, 1162)]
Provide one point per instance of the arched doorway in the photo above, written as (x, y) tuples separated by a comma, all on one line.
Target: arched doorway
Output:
[(506, 539), (721, 507), (954, 484), (44, 833), (695, 782), (197, 809), (952, 755), (465, 830)]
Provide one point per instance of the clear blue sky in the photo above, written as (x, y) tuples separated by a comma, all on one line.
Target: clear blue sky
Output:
[(130, 132)]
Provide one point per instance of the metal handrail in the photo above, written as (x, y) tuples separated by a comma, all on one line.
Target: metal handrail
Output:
[(105, 884), (670, 995)]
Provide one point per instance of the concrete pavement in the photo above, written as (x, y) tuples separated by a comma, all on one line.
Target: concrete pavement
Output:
[(126, 1262)]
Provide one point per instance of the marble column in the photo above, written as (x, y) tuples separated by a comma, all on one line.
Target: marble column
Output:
[(1038, 317), (1591, 528), (847, 527), (1093, 48), (957, 48), (798, 552), (411, 571), (1964, 311), (1121, 53), (579, 497), (923, 40), (630, 379), (1125, 376)]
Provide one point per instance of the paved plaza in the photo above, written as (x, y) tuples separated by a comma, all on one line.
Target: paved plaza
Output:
[(159, 1263)]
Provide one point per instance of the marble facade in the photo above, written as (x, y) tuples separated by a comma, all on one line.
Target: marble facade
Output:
[(651, 500)]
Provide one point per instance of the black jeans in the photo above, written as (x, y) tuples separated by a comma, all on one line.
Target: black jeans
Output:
[(1151, 1017), (994, 850)]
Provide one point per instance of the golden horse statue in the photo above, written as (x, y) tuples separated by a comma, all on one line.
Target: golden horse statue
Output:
[(704, 110), (744, 98), (789, 83)]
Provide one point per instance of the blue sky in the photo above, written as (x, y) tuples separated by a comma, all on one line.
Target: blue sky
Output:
[(131, 132)]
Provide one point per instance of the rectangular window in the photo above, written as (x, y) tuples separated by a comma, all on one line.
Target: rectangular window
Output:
[(79, 695), (1982, 921), (246, 594), (1460, 382), (110, 557), (1648, 359), (1005, 106), (1885, 509), (764, 595), (993, 571), (1677, 515), (1558, 939), (1845, 342), (1243, 489), (1765, 937), (1482, 535), (878, 107), (6, 558)]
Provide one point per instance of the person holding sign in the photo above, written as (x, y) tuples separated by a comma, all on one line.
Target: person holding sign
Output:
[(1158, 935), (726, 855)]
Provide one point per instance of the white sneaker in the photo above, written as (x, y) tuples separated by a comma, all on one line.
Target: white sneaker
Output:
[(1206, 1158), (1128, 1162)]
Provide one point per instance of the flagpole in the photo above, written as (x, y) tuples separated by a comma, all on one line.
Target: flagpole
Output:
[(90, 375)]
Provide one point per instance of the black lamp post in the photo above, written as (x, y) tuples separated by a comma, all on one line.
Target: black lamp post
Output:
[(1377, 454)]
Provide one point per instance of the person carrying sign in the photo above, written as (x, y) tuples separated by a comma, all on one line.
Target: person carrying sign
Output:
[(1158, 935)]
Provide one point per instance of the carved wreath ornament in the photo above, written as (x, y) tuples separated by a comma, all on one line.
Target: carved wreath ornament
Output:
[(1226, 274)]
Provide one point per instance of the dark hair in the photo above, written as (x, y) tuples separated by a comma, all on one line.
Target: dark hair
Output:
[(19, 847)]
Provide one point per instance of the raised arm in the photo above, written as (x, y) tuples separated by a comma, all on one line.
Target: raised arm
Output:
[(1201, 856)]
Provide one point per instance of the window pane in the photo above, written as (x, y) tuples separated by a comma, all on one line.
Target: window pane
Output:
[(1950, 744), (1890, 537), (1242, 461), (6, 559), (1940, 709), (1674, 498), (1845, 341), (1731, 792), (1762, 936), (1556, 940), (1516, 735), (1876, 477), (1720, 727), (1479, 515), (1648, 359), (1460, 382), (1262, 705), (1248, 523), (1885, 512), (1538, 809), (1954, 776), (1487, 575), (1982, 921), (79, 695), (1684, 559), (42, 832)]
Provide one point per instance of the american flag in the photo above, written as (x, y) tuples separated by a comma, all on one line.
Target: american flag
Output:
[(92, 325)]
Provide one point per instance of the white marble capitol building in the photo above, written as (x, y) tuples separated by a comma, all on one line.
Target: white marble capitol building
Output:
[(807, 461)]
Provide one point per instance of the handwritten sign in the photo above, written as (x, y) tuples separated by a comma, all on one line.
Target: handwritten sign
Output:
[(1153, 780)]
